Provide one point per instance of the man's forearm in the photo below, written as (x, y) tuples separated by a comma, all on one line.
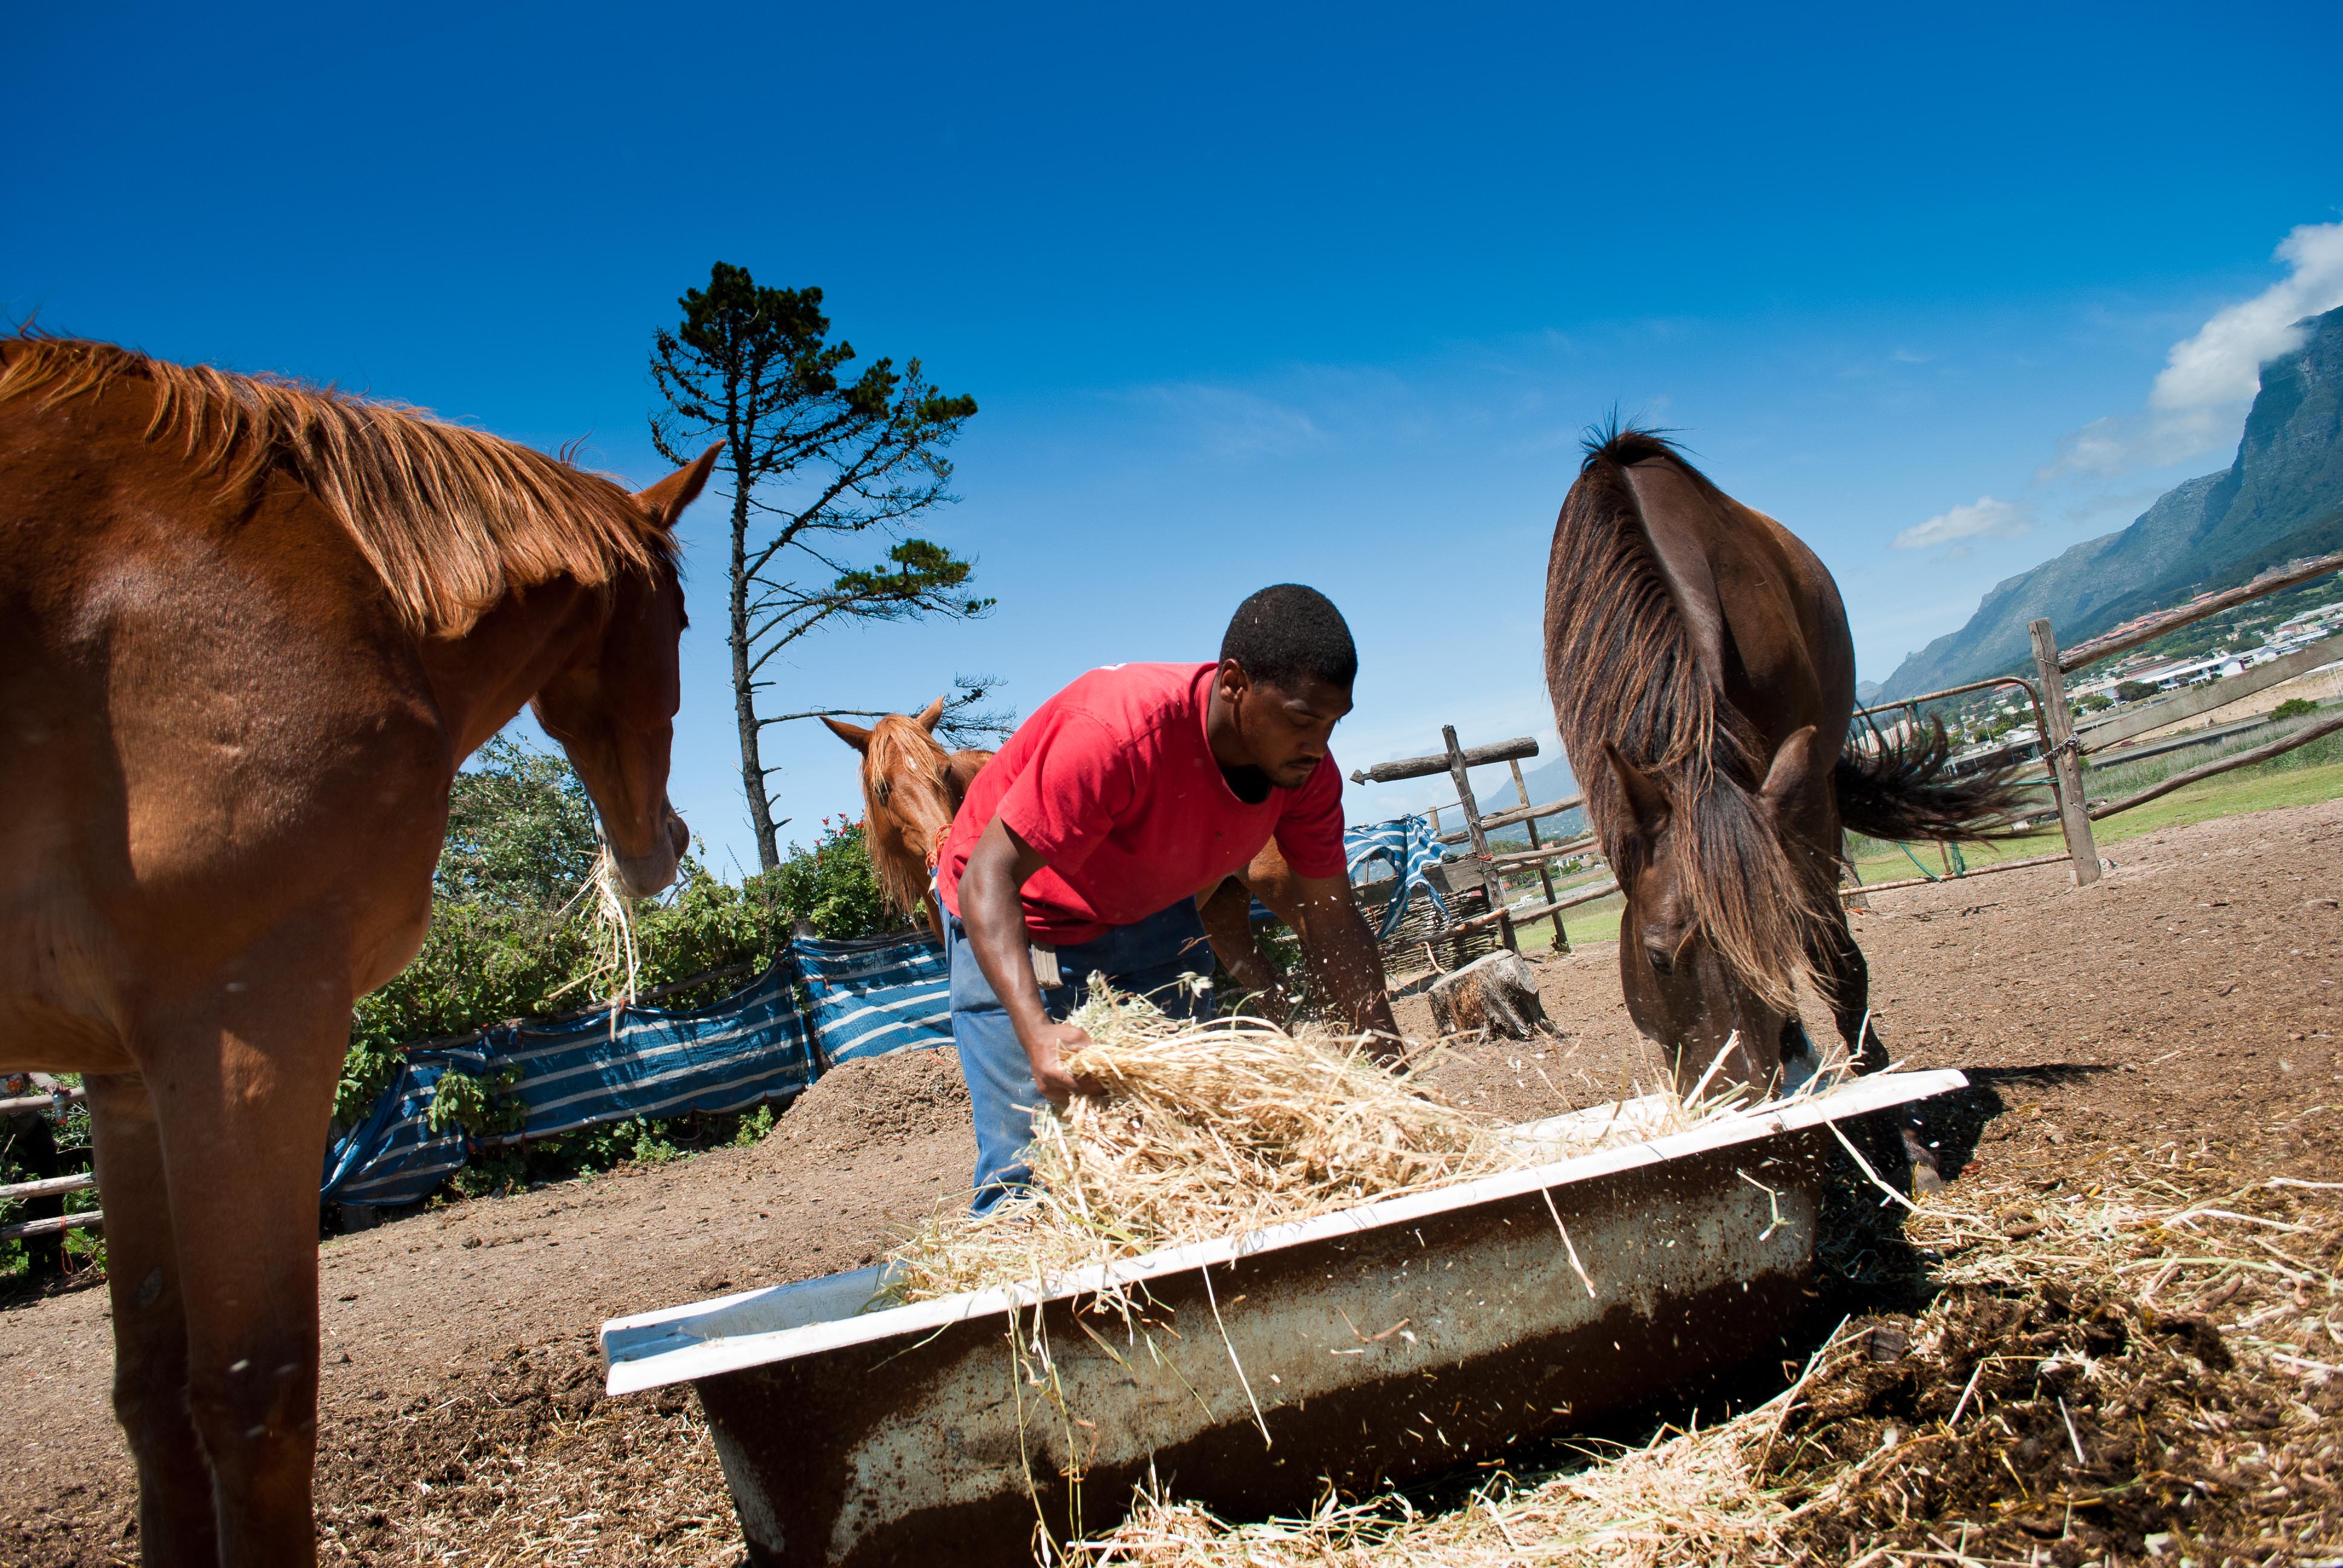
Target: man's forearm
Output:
[(994, 916), (1349, 971)]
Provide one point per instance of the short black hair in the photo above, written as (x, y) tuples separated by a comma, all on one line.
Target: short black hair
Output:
[(1286, 634)]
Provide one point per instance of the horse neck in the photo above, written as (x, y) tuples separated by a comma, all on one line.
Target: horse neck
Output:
[(482, 679)]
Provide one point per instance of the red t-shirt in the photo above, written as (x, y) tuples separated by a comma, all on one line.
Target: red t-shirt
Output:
[(1114, 785)]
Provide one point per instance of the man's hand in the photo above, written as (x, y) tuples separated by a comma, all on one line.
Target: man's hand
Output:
[(1047, 1048), (1345, 965)]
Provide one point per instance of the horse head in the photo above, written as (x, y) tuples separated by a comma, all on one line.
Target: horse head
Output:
[(1714, 937), (612, 707), (911, 788)]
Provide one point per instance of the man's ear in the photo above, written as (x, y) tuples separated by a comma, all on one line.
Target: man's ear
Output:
[(1232, 679), (931, 715), (1792, 773), (854, 735), (1647, 803), (665, 501)]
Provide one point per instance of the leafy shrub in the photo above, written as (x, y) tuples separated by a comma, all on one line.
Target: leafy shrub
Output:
[(512, 936), (2294, 707), (2133, 691)]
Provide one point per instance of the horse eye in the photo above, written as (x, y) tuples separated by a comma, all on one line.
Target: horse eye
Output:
[(1660, 959), (884, 788)]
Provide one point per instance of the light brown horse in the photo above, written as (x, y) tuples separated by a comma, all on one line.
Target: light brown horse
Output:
[(1703, 681), (250, 630), (911, 787)]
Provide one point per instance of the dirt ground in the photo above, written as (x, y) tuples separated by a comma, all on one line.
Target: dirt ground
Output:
[(2181, 1014)]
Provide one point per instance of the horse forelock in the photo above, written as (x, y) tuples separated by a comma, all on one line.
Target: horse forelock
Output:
[(904, 786), (1623, 671), (451, 519)]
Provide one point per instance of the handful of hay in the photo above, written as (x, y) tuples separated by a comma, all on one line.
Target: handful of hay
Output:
[(1206, 1130)]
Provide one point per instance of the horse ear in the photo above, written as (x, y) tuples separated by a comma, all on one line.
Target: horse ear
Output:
[(931, 715), (1791, 774), (1679, 519), (665, 501), (1646, 801), (854, 735)]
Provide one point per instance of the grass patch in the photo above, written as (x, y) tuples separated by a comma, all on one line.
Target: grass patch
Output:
[(2303, 777)]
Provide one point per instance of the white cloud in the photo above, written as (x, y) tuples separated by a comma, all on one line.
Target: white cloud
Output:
[(2200, 394), (1986, 519), (1232, 423)]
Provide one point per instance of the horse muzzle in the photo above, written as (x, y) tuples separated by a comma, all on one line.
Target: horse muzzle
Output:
[(643, 876)]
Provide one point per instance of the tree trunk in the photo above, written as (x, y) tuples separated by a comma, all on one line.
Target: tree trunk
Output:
[(1497, 994), (744, 697)]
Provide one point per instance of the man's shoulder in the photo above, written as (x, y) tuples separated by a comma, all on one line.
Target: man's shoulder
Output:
[(1133, 699)]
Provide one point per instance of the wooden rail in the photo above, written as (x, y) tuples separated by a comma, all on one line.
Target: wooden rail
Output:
[(50, 1227), (41, 1101), (1850, 894), (2124, 640), (1515, 814), (1544, 854), (47, 1185), (1406, 767), (2302, 736), (2119, 728), (1534, 911)]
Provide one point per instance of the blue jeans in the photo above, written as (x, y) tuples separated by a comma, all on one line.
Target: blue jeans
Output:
[(1148, 959)]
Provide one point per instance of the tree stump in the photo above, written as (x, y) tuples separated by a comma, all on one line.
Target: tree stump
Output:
[(1497, 993)]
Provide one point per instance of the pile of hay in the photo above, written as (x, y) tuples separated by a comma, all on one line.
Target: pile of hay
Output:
[(2118, 1380), (1207, 1131)]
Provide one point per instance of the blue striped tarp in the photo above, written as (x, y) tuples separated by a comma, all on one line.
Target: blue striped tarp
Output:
[(393, 1156), (750, 1047), (873, 997), (746, 1049), (1407, 845)]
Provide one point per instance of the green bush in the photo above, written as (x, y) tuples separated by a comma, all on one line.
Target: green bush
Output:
[(513, 936), (2294, 707)]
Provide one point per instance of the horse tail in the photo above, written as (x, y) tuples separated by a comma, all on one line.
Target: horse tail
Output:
[(1905, 788)]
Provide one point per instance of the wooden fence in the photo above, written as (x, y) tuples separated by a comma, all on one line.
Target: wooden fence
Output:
[(1457, 761), (2064, 745), (48, 1186)]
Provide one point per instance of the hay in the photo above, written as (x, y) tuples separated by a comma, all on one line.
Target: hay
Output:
[(1211, 1130), (2066, 1397)]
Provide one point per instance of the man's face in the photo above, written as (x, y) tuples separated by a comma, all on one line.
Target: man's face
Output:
[(1284, 730)]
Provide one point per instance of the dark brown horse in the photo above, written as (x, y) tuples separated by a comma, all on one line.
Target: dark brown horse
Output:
[(1703, 681), (248, 630), (911, 787)]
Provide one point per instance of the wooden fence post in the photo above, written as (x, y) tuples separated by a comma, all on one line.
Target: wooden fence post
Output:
[(2065, 758), (1545, 868), (1490, 883)]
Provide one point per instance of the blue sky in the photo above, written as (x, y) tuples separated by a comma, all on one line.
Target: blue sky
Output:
[(1245, 294)]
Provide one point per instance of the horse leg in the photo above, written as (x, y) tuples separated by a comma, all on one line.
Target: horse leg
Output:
[(175, 1525), (251, 1075), (1227, 914)]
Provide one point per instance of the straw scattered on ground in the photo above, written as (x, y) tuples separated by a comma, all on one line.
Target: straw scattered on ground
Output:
[(1208, 1130), (2151, 1377)]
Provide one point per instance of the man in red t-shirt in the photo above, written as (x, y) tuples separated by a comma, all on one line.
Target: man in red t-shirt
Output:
[(1082, 846)]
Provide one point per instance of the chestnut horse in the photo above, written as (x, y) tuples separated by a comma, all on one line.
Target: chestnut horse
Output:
[(911, 787), (1703, 682), (251, 631)]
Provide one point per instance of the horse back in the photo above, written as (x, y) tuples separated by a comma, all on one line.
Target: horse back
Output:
[(214, 721)]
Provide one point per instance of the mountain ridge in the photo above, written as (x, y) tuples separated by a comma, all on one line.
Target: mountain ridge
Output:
[(2280, 498)]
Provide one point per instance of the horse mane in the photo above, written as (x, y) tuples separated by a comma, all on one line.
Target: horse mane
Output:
[(1623, 670), (452, 519), (899, 748)]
